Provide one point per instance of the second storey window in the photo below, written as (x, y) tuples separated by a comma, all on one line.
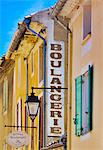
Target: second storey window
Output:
[(19, 72), (83, 102), (19, 114), (32, 62), (40, 64), (5, 94), (86, 19)]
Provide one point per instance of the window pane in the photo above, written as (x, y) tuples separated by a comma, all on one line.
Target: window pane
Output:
[(19, 71), (86, 20), (40, 64), (5, 94), (32, 62)]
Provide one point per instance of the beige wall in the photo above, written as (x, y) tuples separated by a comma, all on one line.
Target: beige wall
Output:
[(92, 140)]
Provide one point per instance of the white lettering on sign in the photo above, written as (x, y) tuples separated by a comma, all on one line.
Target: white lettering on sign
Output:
[(55, 96)]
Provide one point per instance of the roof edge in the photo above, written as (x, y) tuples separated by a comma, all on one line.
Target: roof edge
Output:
[(15, 39), (58, 7)]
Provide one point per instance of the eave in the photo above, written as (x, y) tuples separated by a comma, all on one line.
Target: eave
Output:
[(66, 8), (16, 40), (58, 7), (5, 67)]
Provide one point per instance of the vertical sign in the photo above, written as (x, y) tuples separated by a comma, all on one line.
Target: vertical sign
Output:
[(55, 96)]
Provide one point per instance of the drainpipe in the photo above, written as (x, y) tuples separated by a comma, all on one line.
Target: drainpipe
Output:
[(27, 21), (70, 89)]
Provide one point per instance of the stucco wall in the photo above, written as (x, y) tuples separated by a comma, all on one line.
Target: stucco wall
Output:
[(92, 140)]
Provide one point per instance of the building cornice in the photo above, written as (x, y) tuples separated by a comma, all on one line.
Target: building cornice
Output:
[(5, 68), (65, 8), (58, 7), (16, 39)]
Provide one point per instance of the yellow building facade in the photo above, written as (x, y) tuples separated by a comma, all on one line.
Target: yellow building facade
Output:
[(27, 76), (39, 49), (6, 99), (26, 50), (85, 52)]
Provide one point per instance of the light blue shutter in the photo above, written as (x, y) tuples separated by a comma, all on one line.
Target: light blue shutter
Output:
[(78, 105), (90, 98), (85, 103), (87, 79)]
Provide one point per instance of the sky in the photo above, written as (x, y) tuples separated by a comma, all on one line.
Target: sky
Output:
[(13, 11)]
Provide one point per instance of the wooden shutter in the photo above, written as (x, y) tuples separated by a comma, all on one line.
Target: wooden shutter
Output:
[(40, 63), (87, 87), (85, 103), (5, 95), (78, 105), (90, 91)]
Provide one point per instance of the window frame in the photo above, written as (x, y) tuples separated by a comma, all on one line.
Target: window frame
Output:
[(19, 71), (86, 33), (5, 94), (40, 64), (32, 63)]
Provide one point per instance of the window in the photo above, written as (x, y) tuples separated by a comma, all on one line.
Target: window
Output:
[(5, 94), (19, 71), (4, 146), (83, 102), (19, 114), (40, 64), (32, 63), (86, 19)]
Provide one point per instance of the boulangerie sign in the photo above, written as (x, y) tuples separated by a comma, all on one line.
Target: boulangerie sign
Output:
[(55, 96), (18, 139)]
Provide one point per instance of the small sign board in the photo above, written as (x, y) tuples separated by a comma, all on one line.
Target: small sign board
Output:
[(18, 139)]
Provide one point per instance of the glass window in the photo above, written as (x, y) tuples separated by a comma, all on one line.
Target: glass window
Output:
[(19, 71), (40, 64), (86, 20), (4, 146), (19, 114), (83, 102), (5, 94), (32, 62)]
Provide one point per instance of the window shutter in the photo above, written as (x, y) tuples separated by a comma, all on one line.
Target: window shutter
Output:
[(85, 103), (6, 90), (5, 95), (78, 105), (4, 102), (90, 90)]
